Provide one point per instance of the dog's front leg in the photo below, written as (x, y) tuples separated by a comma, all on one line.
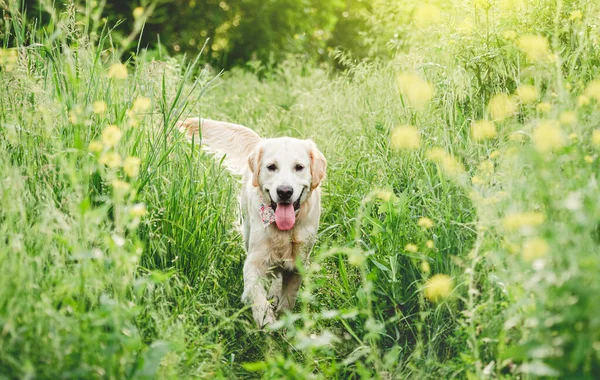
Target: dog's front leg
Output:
[(255, 293), (289, 290)]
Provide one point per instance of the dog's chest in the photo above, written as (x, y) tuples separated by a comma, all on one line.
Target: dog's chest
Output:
[(284, 249)]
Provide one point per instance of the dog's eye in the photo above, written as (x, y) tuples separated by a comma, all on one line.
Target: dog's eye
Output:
[(272, 167), (299, 167)]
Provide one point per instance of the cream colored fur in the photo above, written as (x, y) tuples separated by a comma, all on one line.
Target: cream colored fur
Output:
[(272, 253)]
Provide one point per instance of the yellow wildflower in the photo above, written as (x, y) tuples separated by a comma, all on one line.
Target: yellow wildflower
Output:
[(427, 15), (436, 154), (138, 210), (110, 159), (516, 221), (138, 12), (425, 268), (447, 162), (495, 154), (131, 166), (517, 136), (411, 248), (535, 47), (8, 59), (356, 257), (429, 244), (478, 181), (132, 121), (405, 137), (544, 107), (547, 136), (482, 130), (119, 185), (117, 71), (589, 159), (576, 15), (111, 136), (568, 117), (416, 91), (99, 107), (583, 100), (425, 222), (75, 114), (535, 248), (385, 195), (438, 287), (452, 166), (596, 138), (95, 146), (486, 167), (510, 35), (501, 106), (141, 104), (593, 90), (527, 93)]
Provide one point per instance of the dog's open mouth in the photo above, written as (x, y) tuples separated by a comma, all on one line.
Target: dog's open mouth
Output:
[(285, 213), (296, 205)]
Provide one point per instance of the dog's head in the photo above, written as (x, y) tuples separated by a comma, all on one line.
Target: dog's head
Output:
[(286, 170)]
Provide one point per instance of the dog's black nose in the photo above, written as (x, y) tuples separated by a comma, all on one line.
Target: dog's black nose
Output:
[(285, 193)]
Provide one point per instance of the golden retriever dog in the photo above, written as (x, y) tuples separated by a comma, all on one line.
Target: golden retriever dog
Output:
[(280, 204)]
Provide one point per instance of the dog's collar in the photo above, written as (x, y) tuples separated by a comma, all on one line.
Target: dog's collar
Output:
[(267, 214)]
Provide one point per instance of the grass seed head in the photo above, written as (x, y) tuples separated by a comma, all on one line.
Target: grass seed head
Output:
[(425, 222), (548, 136), (416, 91), (99, 107), (535, 248), (111, 135), (110, 159), (527, 93), (131, 166), (117, 71), (405, 138), (483, 130), (438, 287), (596, 138), (535, 47), (568, 117), (593, 90), (502, 106)]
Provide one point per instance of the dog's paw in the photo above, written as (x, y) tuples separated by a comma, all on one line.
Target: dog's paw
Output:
[(263, 316), (269, 319)]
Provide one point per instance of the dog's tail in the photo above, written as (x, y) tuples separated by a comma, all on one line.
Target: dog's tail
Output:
[(233, 141)]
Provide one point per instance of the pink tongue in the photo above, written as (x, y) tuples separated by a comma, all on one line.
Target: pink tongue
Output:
[(285, 217)]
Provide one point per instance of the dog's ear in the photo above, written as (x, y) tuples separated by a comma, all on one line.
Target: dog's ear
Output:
[(318, 165), (254, 161)]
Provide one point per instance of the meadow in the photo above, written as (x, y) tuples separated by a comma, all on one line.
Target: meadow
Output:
[(460, 233)]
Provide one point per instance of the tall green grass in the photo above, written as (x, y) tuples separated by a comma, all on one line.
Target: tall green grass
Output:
[(93, 288)]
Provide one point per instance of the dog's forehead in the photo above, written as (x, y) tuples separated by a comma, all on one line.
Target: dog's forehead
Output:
[(285, 149)]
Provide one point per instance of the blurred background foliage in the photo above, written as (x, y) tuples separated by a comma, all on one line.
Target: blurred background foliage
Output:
[(237, 31)]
